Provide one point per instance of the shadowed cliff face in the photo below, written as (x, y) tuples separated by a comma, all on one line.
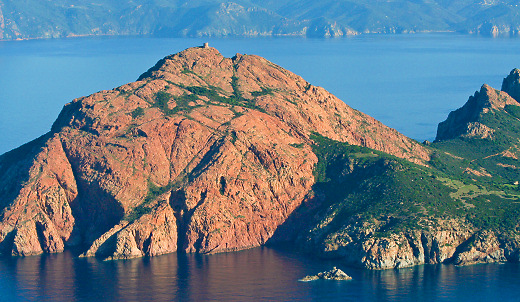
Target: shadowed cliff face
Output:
[(511, 84), (467, 120), (201, 154)]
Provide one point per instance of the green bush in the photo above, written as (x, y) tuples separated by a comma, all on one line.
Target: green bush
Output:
[(161, 101), (137, 112), (264, 91)]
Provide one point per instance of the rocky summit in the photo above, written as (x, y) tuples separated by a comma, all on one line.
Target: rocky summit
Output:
[(201, 154), (465, 121)]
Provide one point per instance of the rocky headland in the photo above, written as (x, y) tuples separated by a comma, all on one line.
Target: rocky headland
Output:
[(202, 154), (210, 154)]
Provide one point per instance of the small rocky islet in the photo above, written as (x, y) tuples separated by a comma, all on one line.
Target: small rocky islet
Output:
[(208, 154), (334, 274)]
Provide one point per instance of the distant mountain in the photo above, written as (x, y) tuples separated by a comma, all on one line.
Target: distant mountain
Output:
[(30, 19)]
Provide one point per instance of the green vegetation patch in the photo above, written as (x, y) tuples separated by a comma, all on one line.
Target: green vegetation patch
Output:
[(494, 212), (364, 183), (187, 71), (330, 152), (161, 101), (214, 94), (513, 110), (137, 112), (360, 184), (154, 191), (298, 146), (476, 153), (465, 191), (182, 102), (234, 137), (487, 207), (137, 212), (264, 91)]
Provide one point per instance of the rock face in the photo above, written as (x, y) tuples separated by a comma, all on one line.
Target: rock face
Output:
[(484, 247), (455, 241), (465, 121), (358, 246), (202, 154)]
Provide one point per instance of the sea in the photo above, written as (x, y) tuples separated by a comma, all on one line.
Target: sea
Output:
[(409, 82), (259, 274)]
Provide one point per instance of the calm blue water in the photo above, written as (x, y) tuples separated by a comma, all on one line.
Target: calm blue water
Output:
[(408, 82), (261, 274)]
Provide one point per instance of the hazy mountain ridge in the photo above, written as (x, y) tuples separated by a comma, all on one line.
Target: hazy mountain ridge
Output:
[(31, 19)]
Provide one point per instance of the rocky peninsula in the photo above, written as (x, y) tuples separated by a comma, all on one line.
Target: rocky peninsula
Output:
[(208, 154)]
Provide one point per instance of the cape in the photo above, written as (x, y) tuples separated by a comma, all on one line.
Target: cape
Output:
[(210, 154)]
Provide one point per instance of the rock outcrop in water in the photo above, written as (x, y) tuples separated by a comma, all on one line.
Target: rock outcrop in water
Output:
[(334, 274), (202, 154)]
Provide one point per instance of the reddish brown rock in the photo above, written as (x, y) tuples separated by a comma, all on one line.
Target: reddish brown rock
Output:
[(203, 154), (483, 247), (464, 121), (358, 244)]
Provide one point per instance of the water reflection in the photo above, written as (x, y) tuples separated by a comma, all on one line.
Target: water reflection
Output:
[(262, 274)]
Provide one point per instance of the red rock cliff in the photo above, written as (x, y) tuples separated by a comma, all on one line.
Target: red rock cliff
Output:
[(202, 154)]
